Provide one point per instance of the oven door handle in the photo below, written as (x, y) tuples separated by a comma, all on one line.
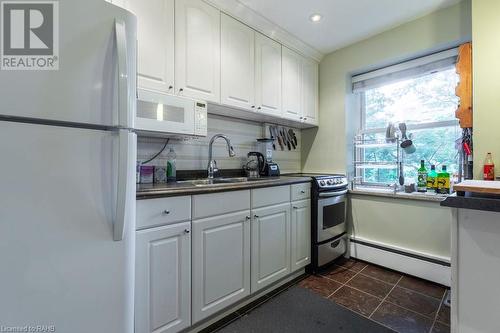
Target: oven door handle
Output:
[(332, 194)]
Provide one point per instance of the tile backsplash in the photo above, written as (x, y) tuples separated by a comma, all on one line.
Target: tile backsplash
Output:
[(192, 153)]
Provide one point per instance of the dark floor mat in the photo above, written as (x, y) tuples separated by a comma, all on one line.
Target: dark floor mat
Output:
[(300, 310)]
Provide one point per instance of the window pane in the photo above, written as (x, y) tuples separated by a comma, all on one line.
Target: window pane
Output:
[(424, 99), (435, 146)]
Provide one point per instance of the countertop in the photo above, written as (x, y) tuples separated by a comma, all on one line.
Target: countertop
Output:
[(400, 195), (472, 201), (149, 191)]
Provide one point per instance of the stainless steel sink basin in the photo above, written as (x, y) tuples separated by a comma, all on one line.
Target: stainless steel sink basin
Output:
[(221, 180)]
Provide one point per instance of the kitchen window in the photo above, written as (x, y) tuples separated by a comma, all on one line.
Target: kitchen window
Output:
[(420, 93)]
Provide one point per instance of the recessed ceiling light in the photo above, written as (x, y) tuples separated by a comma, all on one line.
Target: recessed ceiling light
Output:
[(315, 17)]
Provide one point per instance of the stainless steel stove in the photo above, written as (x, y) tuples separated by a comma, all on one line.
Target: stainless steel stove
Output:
[(328, 218)]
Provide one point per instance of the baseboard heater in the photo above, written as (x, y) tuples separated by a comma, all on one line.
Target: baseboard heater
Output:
[(431, 269)]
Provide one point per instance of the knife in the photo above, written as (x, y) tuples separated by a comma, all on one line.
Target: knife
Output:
[(286, 139), (292, 133), (272, 136), (280, 142)]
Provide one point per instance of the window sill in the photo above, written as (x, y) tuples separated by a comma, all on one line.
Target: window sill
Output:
[(399, 195)]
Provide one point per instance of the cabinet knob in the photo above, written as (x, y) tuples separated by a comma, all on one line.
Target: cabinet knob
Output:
[(259, 108), (170, 87), (187, 231), (295, 207), (181, 90), (302, 191), (256, 216), (165, 212), (247, 218), (301, 118)]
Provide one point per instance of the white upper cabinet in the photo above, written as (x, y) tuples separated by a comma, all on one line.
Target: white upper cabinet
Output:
[(292, 84), (237, 63), (310, 91), (267, 75), (155, 34), (197, 50)]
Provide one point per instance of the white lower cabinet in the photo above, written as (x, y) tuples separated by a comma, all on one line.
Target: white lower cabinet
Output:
[(270, 245), (236, 244), (301, 234), (163, 279), (221, 262)]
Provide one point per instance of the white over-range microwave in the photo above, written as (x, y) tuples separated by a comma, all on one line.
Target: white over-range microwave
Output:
[(160, 114)]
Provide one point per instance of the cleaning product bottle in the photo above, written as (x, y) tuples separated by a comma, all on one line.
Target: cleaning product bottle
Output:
[(422, 177), (171, 168), (443, 180), (489, 168), (432, 179)]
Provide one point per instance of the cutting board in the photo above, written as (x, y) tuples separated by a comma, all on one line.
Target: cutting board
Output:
[(478, 186)]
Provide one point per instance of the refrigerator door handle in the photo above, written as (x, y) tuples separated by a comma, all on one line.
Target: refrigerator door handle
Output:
[(123, 79), (123, 184)]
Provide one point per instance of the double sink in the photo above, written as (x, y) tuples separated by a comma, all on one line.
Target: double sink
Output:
[(220, 180)]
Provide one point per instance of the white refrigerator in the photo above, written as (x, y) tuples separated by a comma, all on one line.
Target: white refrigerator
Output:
[(67, 171)]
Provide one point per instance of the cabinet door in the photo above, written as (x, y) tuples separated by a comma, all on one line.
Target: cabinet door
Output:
[(237, 63), (270, 245), (221, 262), (197, 50), (163, 279), (301, 234), (155, 41), (267, 75), (310, 91), (292, 84)]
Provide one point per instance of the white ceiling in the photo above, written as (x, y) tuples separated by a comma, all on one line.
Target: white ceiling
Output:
[(344, 21)]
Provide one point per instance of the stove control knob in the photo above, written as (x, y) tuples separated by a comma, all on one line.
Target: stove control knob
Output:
[(330, 181), (322, 182)]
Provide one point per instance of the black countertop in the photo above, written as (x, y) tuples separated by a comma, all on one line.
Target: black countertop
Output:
[(488, 203), (149, 191)]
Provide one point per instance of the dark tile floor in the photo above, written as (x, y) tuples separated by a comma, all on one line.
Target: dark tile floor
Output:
[(403, 303)]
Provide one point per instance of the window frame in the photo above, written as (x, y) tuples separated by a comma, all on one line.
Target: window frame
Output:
[(361, 102)]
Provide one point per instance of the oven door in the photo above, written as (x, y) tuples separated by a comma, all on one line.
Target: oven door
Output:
[(331, 215)]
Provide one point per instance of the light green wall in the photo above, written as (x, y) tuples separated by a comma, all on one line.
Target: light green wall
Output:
[(422, 227), (326, 149), (486, 81), (418, 226)]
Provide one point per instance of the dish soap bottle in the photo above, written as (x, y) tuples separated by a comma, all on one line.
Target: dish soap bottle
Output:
[(443, 180), (171, 168), (422, 177), (432, 179), (489, 168)]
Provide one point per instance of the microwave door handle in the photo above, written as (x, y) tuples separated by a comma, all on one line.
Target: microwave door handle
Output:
[(332, 194), (123, 79)]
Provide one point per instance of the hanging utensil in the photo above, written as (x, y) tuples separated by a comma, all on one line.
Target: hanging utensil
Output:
[(278, 135), (407, 144), (290, 139), (294, 137), (272, 136), (286, 139)]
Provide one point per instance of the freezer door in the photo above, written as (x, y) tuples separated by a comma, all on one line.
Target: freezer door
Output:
[(59, 263), (96, 38)]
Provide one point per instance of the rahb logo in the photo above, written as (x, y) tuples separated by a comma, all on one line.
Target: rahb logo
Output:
[(29, 35)]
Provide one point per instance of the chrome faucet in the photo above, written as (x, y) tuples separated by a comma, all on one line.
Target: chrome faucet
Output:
[(212, 164)]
